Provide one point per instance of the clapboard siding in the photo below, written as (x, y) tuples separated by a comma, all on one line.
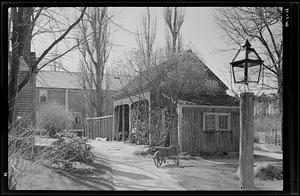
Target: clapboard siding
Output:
[(75, 101), (195, 140), (56, 95), (25, 105)]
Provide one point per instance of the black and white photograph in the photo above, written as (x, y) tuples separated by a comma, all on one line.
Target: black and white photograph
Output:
[(145, 98)]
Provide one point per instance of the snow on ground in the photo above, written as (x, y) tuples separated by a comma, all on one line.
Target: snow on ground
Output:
[(136, 172), (117, 168), (132, 172)]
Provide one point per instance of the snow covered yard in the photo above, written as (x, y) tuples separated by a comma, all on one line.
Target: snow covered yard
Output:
[(118, 168), (138, 172)]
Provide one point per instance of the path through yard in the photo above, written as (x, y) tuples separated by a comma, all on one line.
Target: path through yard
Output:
[(132, 172), (117, 168), (137, 172)]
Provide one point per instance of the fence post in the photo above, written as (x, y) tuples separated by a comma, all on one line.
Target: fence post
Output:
[(123, 123), (179, 127), (276, 138)]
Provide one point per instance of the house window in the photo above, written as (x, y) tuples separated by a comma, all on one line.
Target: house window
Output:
[(224, 121), (210, 122), (216, 121), (43, 95), (77, 117)]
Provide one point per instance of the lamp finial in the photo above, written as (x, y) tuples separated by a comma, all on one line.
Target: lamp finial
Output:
[(247, 43)]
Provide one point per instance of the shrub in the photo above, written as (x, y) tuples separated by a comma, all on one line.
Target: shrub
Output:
[(54, 118), (70, 148), (22, 159), (268, 172)]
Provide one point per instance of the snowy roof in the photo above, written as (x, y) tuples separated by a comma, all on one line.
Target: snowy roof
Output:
[(70, 80), (23, 65)]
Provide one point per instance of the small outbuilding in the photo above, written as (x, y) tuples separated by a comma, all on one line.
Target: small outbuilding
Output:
[(181, 97)]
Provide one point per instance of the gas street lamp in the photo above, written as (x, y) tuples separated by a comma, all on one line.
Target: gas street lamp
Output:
[(246, 68), (246, 65)]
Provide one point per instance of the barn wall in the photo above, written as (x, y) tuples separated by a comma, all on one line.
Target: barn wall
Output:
[(195, 140)]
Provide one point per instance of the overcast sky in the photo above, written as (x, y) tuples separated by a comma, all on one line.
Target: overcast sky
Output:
[(199, 30)]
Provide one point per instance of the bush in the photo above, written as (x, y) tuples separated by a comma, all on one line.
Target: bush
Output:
[(268, 172), (54, 118), (22, 159), (70, 148)]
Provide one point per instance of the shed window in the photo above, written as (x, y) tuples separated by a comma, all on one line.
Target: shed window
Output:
[(210, 122), (223, 122), (216, 121), (43, 95)]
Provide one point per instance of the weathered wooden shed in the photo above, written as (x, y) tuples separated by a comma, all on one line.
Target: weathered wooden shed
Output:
[(207, 119), (209, 123)]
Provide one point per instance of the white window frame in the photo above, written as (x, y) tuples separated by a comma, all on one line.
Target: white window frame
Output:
[(41, 93), (204, 126), (217, 115)]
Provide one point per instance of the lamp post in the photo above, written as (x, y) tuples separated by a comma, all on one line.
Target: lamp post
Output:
[(246, 68)]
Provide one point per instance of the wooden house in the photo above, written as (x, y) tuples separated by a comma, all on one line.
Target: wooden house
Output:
[(206, 119), (65, 89), (25, 105)]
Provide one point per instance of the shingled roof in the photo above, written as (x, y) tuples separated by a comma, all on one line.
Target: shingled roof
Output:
[(70, 80), (209, 99), (151, 76)]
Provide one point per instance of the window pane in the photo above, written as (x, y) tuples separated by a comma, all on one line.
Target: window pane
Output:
[(77, 117), (223, 122), (209, 122), (43, 95), (43, 98)]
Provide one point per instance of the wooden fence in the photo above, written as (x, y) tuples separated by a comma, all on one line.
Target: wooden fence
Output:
[(269, 137), (99, 127)]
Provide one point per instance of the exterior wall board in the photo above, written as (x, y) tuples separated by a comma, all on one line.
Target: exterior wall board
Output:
[(56, 95), (196, 140), (25, 105)]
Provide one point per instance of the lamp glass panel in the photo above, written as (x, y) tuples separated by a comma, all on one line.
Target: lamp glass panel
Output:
[(252, 56), (253, 73), (239, 73)]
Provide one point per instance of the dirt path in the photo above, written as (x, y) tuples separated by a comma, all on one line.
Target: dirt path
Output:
[(131, 172)]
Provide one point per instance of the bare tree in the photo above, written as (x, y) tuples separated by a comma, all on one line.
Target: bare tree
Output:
[(95, 51), (169, 81), (23, 22), (145, 38), (263, 26), (174, 18)]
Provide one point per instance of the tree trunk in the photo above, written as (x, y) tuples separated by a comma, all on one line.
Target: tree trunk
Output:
[(20, 25), (280, 97), (99, 101)]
